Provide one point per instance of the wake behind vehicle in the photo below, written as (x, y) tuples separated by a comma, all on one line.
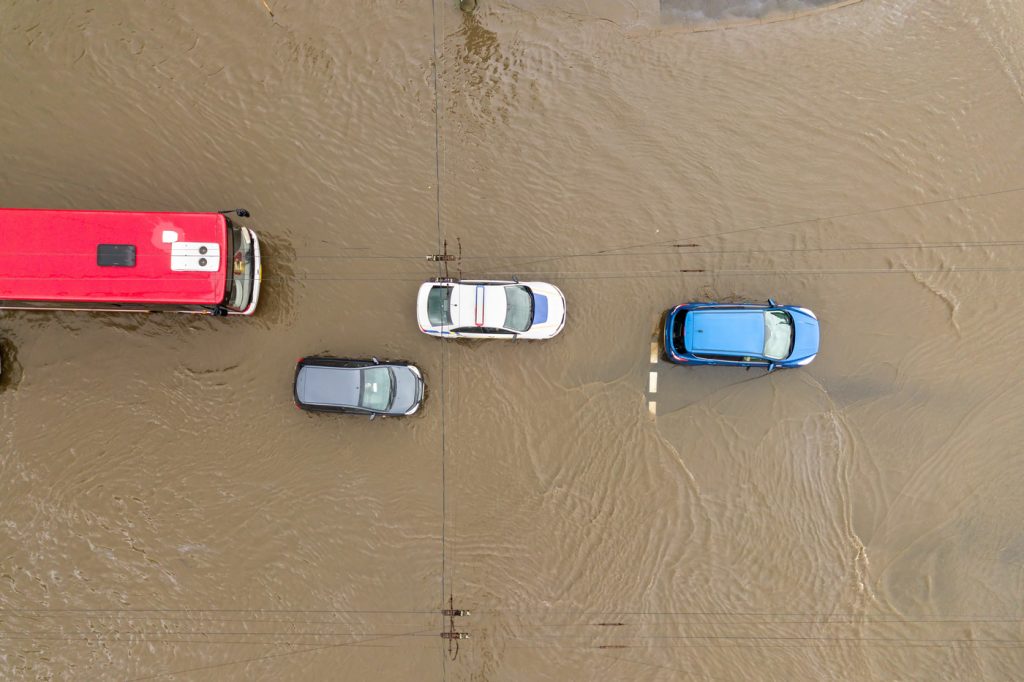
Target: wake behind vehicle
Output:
[(741, 335), (490, 309), (367, 387), (121, 261)]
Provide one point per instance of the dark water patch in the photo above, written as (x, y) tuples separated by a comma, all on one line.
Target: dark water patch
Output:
[(718, 11), (10, 368)]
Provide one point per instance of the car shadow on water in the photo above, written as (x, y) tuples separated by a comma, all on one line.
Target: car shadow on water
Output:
[(10, 368), (276, 306)]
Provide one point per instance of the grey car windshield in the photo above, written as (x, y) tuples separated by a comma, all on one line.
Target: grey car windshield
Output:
[(377, 388), (778, 334), (518, 308), (438, 306)]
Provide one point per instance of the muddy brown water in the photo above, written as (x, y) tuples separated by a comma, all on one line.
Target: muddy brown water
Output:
[(168, 514)]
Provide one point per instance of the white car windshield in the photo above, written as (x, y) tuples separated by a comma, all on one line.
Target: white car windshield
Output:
[(518, 308), (778, 334), (439, 306)]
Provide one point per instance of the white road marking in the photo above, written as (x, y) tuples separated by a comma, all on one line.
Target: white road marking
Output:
[(652, 381)]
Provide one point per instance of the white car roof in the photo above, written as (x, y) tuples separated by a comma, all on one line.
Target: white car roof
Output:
[(478, 305)]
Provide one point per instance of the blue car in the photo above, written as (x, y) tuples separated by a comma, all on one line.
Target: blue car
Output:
[(741, 335)]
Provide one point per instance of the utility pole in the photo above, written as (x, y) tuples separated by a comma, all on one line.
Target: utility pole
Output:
[(451, 634)]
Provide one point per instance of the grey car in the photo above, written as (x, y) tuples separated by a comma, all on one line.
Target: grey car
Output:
[(368, 387)]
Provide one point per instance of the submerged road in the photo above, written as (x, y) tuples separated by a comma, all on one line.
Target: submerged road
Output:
[(168, 514)]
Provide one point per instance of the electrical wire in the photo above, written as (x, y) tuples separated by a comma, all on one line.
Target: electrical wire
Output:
[(805, 221), (691, 249), (183, 671)]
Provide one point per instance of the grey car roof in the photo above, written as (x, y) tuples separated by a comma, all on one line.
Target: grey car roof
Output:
[(328, 386)]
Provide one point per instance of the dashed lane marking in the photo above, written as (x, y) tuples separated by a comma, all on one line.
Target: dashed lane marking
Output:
[(652, 381)]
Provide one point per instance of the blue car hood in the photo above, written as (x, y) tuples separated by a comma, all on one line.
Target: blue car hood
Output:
[(733, 332), (807, 335), (540, 309)]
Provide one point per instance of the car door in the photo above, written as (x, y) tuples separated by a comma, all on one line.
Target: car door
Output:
[(719, 359), (483, 333)]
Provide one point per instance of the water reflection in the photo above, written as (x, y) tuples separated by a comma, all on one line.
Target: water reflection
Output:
[(487, 75), (277, 293), (729, 11)]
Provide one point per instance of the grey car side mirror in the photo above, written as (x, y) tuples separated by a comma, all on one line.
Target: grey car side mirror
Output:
[(375, 361), (372, 417)]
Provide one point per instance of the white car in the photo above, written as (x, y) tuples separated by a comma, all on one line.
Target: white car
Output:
[(490, 309)]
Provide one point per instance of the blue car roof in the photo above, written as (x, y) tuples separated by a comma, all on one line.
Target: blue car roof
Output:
[(733, 332)]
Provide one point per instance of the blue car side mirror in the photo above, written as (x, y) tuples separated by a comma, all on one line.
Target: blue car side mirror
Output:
[(772, 303)]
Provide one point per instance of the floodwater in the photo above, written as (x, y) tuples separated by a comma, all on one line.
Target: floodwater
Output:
[(166, 513)]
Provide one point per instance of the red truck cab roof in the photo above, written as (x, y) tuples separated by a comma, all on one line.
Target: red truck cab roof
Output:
[(113, 256)]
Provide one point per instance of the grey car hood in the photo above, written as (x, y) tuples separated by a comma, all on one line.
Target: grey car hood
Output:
[(408, 389)]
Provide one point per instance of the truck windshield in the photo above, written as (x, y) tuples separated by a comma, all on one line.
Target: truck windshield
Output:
[(376, 391), (778, 334), (242, 267)]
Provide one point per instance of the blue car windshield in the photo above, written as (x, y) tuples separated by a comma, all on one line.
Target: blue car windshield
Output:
[(778, 334)]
